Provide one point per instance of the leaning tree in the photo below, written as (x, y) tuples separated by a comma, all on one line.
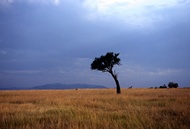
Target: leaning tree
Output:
[(105, 63)]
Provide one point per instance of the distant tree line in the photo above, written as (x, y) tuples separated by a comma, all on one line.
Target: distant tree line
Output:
[(170, 85), (164, 86)]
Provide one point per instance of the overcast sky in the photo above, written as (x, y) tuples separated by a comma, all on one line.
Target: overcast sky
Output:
[(55, 41)]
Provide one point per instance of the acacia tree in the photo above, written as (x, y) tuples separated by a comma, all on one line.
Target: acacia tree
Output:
[(105, 63)]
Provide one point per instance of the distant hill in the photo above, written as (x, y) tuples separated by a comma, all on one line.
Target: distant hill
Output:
[(67, 86), (57, 86), (12, 88)]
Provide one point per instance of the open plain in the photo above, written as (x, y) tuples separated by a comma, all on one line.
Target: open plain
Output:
[(95, 109)]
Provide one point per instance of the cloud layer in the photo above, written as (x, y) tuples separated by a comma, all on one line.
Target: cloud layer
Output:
[(48, 41)]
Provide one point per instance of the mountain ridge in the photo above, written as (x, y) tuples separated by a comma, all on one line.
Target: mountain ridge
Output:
[(57, 86)]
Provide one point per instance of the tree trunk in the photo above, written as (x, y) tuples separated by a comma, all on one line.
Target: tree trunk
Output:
[(117, 86), (118, 89)]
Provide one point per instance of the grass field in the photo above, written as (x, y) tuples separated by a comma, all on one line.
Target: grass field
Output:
[(95, 109)]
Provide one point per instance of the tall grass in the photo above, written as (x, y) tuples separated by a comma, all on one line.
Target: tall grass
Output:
[(95, 109)]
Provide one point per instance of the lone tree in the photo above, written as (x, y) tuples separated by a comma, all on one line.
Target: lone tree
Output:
[(105, 63)]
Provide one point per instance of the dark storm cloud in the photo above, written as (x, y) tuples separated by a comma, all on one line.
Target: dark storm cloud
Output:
[(55, 41)]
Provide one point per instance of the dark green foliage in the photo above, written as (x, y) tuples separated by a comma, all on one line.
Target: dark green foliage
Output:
[(105, 63), (164, 86), (172, 85), (175, 85)]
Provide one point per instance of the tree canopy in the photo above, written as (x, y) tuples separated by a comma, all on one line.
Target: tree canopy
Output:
[(106, 62)]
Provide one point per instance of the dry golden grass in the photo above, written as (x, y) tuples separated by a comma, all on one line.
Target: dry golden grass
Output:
[(95, 109)]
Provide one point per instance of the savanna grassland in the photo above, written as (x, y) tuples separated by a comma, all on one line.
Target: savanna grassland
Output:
[(95, 109)]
